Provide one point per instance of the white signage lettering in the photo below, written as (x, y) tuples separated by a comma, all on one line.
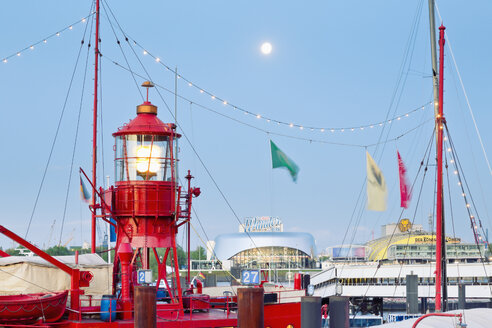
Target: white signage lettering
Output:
[(262, 224)]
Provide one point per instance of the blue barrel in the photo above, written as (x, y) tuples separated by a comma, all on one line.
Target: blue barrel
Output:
[(106, 302)]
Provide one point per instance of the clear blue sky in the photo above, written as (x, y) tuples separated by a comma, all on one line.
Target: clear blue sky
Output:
[(334, 64)]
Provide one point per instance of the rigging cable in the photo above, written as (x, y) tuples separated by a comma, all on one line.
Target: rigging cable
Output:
[(76, 135), (45, 40), (452, 214), (158, 86), (428, 155), (466, 95), (192, 146), (54, 139), (258, 116), (461, 178), (409, 45), (121, 49)]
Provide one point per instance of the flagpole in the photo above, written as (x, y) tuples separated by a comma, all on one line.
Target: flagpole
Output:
[(270, 173), (108, 227)]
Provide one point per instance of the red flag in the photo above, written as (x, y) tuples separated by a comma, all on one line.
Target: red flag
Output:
[(405, 192)]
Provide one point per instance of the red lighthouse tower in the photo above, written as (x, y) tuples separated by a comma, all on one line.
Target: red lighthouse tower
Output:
[(147, 201)]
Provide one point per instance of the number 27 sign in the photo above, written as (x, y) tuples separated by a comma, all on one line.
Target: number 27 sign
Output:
[(250, 277)]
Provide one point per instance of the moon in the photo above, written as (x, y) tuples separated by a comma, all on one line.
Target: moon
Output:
[(266, 48)]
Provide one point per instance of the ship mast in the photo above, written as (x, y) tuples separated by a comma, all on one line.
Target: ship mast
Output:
[(439, 204), (94, 134), (435, 82)]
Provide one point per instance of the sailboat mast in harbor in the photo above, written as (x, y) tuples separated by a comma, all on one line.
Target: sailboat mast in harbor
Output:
[(94, 134), (440, 250)]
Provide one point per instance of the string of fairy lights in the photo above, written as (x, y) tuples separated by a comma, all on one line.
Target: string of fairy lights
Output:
[(267, 131), (267, 119), (44, 40), (222, 100), (258, 116), (465, 192)]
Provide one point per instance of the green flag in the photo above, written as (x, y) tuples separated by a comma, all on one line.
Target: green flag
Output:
[(279, 159)]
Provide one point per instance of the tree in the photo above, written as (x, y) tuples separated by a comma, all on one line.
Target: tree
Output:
[(199, 254), (13, 251), (58, 250)]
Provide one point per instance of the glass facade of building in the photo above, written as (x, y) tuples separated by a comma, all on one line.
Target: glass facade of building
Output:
[(422, 253), (273, 257)]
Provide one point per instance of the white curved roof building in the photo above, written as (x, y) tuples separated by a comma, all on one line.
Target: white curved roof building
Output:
[(266, 248)]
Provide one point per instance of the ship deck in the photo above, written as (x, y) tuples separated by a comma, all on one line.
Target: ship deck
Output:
[(213, 318)]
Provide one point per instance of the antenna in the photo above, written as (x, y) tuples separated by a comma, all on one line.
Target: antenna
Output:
[(147, 85)]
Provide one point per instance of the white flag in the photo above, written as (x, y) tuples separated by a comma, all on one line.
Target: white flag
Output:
[(376, 186)]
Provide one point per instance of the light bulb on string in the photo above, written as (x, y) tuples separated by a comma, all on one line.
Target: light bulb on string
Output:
[(398, 118), (258, 116), (31, 47), (157, 59), (144, 52), (57, 33), (70, 27)]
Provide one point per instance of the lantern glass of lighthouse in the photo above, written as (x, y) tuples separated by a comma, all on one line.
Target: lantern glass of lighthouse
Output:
[(142, 157)]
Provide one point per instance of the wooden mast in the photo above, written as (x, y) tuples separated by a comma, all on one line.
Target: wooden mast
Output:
[(94, 134), (439, 204)]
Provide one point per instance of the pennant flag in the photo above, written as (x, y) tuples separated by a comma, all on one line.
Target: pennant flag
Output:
[(279, 159), (84, 193), (405, 192), (376, 186)]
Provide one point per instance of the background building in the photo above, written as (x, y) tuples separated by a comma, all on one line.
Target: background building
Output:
[(402, 242), (261, 243)]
